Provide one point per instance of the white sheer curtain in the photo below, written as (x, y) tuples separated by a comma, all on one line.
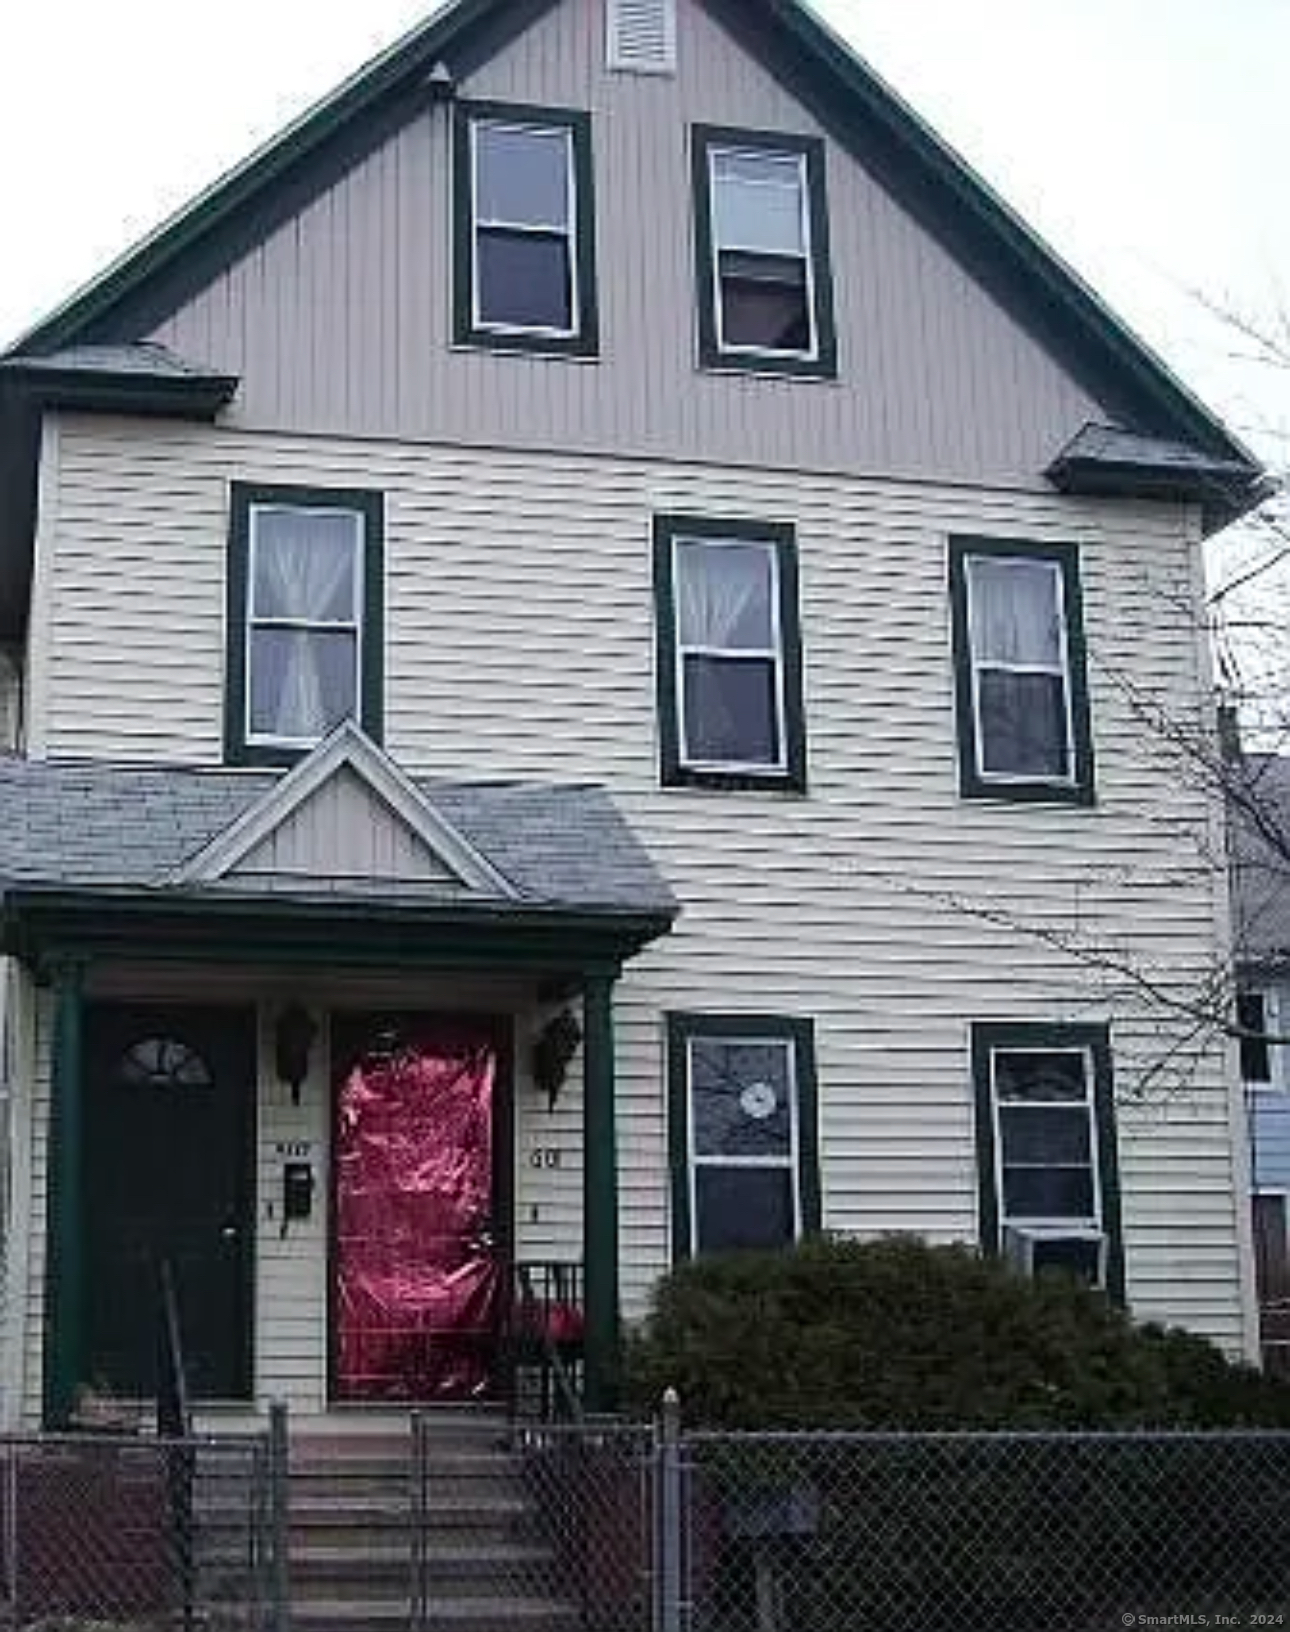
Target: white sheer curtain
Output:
[(305, 574), (1015, 613), (723, 598)]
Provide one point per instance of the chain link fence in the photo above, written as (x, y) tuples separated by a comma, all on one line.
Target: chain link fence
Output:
[(612, 1529), (552, 1528), (135, 1535), (953, 1532)]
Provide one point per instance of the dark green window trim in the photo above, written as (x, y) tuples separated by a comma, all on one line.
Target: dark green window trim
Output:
[(1079, 787), (823, 364), (800, 1035), (675, 771), (585, 341), (991, 1036), (370, 505)]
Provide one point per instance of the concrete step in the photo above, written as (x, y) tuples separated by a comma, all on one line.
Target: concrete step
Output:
[(499, 1613)]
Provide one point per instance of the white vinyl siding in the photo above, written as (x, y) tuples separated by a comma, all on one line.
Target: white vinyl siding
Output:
[(840, 906)]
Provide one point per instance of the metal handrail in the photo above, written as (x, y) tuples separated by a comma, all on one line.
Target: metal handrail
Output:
[(559, 1288), (174, 1414), (175, 1425)]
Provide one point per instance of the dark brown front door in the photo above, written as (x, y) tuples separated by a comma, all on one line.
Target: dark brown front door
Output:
[(417, 1274), (169, 1099)]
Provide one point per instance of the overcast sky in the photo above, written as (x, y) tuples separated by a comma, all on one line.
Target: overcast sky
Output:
[(1145, 139)]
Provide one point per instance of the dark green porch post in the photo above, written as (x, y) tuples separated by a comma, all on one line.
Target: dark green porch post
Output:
[(600, 1195), (64, 1267)]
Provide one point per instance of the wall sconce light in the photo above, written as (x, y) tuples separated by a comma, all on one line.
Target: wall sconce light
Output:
[(553, 1053), (293, 1038)]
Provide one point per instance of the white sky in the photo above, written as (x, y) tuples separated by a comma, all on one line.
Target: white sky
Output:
[(1145, 139)]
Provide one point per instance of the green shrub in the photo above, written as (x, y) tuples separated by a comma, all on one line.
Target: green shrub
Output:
[(897, 1334)]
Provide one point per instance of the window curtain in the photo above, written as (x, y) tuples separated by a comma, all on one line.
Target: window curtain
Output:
[(1015, 614), (723, 597), (306, 573)]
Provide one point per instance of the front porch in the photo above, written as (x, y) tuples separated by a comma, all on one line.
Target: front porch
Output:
[(369, 1123)]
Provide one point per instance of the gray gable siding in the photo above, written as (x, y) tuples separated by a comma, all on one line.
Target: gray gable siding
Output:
[(340, 321)]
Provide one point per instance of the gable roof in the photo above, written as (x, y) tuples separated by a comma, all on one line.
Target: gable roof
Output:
[(863, 113), (347, 749), (117, 829)]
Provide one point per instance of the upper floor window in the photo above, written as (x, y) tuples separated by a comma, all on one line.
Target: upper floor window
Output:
[(1023, 716), (745, 1149), (1048, 1174), (729, 654), (764, 285), (304, 619), (524, 226), (1261, 1013)]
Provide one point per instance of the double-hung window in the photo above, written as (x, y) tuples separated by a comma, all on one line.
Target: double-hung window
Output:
[(745, 1152), (1262, 1013), (764, 286), (1022, 689), (304, 618), (524, 226), (729, 654), (1048, 1173)]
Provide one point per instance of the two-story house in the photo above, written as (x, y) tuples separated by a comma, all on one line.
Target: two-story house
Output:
[(575, 632)]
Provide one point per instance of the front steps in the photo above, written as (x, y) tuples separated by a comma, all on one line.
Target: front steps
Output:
[(352, 1507)]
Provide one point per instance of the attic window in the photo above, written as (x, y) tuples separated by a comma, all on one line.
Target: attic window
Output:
[(641, 35), (761, 238)]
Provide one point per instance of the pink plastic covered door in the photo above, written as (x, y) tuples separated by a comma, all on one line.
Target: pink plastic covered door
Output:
[(417, 1279)]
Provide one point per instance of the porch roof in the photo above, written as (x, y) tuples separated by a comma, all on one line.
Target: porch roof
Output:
[(95, 853)]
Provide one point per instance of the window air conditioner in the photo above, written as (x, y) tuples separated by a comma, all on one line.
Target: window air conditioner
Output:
[(1074, 1249)]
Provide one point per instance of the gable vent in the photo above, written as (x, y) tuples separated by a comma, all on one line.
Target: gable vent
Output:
[(642, 35)]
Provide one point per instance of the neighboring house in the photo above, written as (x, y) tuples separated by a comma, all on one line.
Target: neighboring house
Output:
[(604, 552), (1261, 892)]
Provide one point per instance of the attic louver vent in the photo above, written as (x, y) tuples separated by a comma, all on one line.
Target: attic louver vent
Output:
[(642, 35)]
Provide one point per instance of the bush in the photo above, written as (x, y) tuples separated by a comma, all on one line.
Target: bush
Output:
[(897, 1334)]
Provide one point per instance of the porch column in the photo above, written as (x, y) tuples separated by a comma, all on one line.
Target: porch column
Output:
[(600, 1195), (64, 1268)]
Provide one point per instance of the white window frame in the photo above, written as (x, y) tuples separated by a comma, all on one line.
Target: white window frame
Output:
[(1276, 1011), (1048, 1223), (479, 225), (262, 739), (1061, 669), (775, 655), (750, 150), (791, 1162)]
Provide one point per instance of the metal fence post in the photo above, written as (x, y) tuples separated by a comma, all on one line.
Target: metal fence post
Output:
[(420, 1521), (669, 1514), (279, 1518)]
